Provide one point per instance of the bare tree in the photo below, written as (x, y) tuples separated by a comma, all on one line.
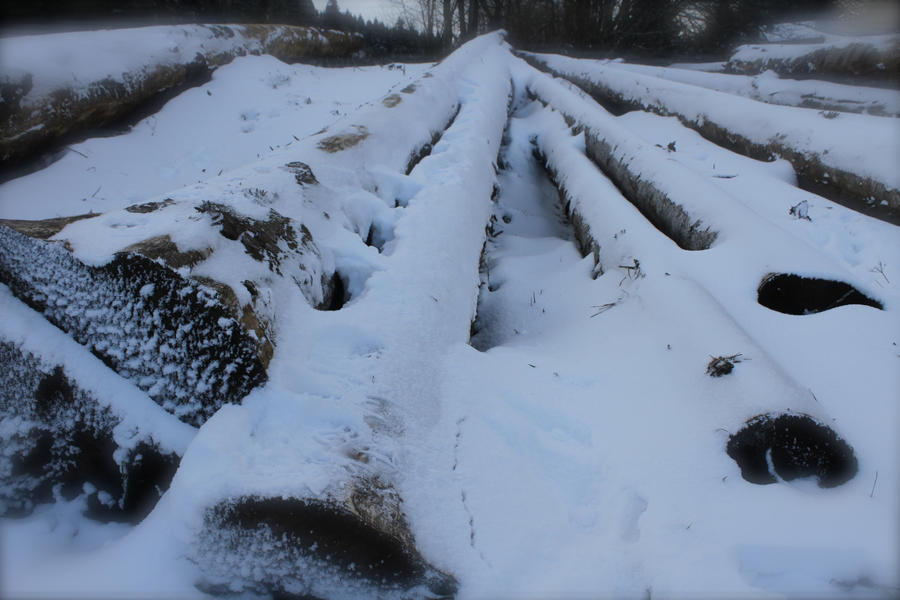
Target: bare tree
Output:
[(421, 15), (472, 29), (447, 32)]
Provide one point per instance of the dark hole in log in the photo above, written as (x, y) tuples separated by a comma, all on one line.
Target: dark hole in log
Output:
[(796, 295), (796, 446), (328, 535), (339, 295)]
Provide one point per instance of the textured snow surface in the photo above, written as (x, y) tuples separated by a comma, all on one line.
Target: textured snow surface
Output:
[(575, 447)]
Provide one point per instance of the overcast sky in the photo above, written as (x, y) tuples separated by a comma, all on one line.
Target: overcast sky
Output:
[(384, 10)]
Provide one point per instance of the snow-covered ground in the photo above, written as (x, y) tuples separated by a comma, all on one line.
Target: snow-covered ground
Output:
[(575, 446)]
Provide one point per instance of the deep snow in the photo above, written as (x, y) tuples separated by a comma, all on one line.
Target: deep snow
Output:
[(578, 449)]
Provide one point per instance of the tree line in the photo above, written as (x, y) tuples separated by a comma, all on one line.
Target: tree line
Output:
[(637, 26), (429, 28)]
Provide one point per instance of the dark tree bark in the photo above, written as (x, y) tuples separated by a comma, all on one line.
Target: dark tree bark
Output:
[(447, 35), (472, 29)]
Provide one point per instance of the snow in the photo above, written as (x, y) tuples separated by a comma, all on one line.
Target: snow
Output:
[(576, 447)]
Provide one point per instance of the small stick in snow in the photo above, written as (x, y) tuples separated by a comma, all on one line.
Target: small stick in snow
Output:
[(77, 152), (96, 191), (603, 308), (879, 268), (872, 493)]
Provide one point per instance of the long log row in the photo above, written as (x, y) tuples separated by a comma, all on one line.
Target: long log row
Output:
[(768, 87), (194, 273), (335, 518), (824, 148)]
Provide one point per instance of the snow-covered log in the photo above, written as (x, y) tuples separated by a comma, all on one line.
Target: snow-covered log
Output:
[(69, 426), (823, 147), (769, 87), (873, 58), (171, 336), (56, 84), (334, 522), (655, 185)]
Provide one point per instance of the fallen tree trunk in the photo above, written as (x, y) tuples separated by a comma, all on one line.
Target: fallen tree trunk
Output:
[(173, 337), (71, 427), (873, 59), (641, 171), (768, 87), (337, 525), (824, 148), (41, 103)]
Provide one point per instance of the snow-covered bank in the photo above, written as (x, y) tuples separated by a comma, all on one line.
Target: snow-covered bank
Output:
[(825, 148), (54, 84)]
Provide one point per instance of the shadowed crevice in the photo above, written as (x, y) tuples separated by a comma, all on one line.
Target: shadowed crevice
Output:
[(797, 295)]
